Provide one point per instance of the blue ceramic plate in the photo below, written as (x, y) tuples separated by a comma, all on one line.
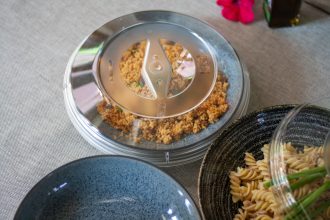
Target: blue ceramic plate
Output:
[(107, 187)]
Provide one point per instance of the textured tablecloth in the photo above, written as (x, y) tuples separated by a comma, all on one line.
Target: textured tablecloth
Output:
[(288, 65)]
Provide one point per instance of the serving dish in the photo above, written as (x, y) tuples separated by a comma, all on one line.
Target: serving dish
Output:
[(107, 187), (248, 134), (116, 119), (282, 142)]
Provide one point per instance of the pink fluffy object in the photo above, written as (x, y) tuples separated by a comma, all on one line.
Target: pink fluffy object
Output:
[(237, 10)]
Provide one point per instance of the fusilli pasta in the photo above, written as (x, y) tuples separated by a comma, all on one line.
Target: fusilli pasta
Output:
[(246, 183)]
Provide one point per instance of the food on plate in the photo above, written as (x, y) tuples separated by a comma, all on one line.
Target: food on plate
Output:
[(252, 185), (171, 129)]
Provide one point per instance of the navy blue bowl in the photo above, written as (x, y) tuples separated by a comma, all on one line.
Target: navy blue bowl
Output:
[(107, 187)]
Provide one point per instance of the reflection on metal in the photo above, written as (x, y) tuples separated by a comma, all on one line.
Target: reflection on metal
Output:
[(167, 157), (160, 106), (156, 69), (92, 50)]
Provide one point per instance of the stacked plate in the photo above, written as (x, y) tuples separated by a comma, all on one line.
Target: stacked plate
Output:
[(155, 85)]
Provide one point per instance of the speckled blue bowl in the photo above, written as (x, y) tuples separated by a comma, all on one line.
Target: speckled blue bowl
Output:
[(107, 187)]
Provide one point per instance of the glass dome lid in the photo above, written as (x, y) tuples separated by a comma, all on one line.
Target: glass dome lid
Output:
[(155, 85)]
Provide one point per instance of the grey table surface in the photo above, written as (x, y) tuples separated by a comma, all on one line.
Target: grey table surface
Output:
[(287, 65)]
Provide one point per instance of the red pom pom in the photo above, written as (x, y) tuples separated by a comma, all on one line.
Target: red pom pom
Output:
[(225, 2), (237, 10), (231, 12), (246, 14), (246, 3)]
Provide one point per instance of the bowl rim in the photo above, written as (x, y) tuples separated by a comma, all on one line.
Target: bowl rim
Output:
[(224, 132), (143, 162)]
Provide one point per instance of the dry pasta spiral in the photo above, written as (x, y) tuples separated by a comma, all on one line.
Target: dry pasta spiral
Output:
[(263, 217), (241, 215), (250, 161), (301, 192), (248, 174), (264, 169), (235, 183), (263, 195)]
